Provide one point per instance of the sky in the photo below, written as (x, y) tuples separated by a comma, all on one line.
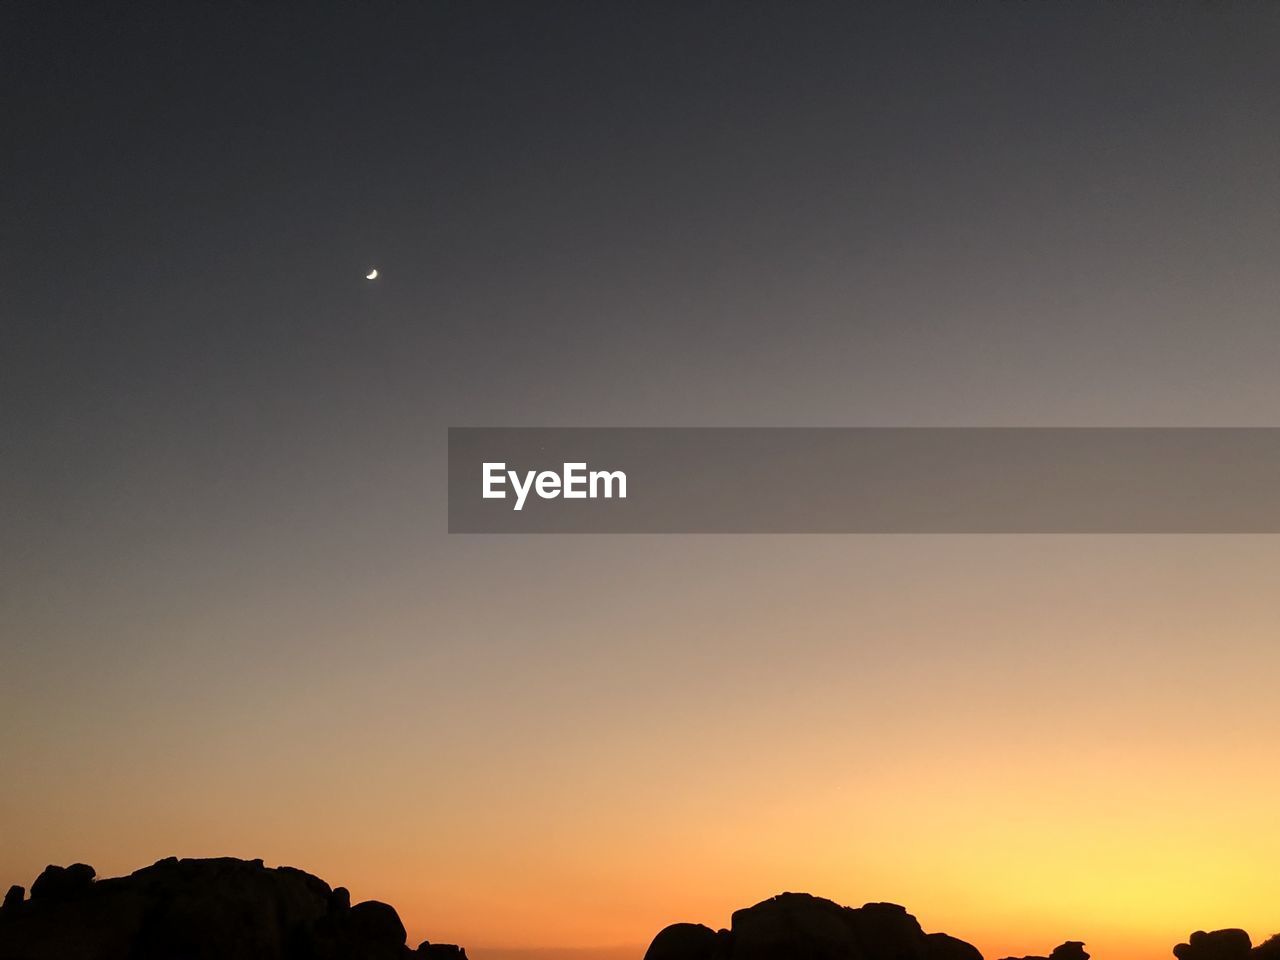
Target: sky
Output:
[(232, 623)]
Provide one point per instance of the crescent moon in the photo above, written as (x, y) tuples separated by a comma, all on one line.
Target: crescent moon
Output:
[(372, 274)]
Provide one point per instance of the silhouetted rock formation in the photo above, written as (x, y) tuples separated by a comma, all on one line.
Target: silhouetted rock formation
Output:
[(200, 910), (796, 925), (440, 951), (1071, 950), (62, 883), (943, 946), (226, 908), (687, 941), (1218, 945)]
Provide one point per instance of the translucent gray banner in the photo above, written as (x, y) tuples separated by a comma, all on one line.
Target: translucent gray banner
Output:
[(863, 480)]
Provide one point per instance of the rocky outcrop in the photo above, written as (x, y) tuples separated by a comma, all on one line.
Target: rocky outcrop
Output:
[(797, 925), (1230, 944), (688, 941), (1071, 950), (1217, 945), (440, 951), (200, 910), (57, 884), (943, 946), (224, 908)]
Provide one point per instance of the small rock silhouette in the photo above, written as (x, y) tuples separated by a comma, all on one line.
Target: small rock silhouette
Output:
[(1071, 950), (440, 951)]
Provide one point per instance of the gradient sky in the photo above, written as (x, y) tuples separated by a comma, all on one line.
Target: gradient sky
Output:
[(231, 622)]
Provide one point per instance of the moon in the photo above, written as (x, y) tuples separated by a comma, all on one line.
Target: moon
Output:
[(372, 274)]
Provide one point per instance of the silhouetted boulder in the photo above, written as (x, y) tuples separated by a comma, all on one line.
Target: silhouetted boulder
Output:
[(62, 883), (887, 930), (1267, 950), (378, 926), (685, 941), (1071, 950), (797, 925), (790, 925), (198, 910), (440, 951), (942, 946), (13, 898), (1217, 945)]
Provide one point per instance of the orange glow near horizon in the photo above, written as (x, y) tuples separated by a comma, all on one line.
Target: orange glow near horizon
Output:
[(1088, 754)]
